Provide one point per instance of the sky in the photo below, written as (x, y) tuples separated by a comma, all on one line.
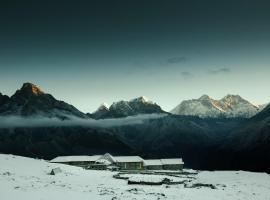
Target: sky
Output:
[(90, 52)]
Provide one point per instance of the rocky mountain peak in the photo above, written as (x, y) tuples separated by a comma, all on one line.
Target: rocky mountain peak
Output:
[(31, 88), (204, 97), (141, 99), (30, 100), (231, 99), (103, 106), (3, 99), (140, 105)]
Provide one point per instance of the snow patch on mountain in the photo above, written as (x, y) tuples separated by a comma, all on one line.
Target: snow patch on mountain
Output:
[(142, 99)]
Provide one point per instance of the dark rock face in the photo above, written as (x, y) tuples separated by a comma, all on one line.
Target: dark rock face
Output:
[(31, 101), (264, 114)]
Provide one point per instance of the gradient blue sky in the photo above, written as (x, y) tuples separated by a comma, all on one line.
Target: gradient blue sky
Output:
[(105, 51)]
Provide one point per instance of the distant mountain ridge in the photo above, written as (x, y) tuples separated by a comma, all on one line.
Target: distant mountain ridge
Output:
[(228, 106), (30, 100), (140, 105)]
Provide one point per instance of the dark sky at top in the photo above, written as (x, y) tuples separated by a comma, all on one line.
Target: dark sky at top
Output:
[(88, 52)]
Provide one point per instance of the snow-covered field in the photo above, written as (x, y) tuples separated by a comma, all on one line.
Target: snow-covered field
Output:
[(27, 179)]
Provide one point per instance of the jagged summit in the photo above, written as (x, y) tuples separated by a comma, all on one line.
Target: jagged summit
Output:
[(31, 88), (204, 97), (3, 99), (232, 96), (140, 105), (102, 110), (103, 106), (232, 99), (142, 99)]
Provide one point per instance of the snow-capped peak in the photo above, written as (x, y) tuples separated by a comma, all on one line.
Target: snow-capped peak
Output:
[(142, 99), (228, 106), (103, 106), (230, 98), (140, 105)]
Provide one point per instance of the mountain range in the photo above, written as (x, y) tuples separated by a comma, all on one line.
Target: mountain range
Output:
[(140, 105), (30, 100)]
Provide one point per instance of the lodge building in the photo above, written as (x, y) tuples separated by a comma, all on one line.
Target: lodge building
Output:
[(107, 161), (80, 161)]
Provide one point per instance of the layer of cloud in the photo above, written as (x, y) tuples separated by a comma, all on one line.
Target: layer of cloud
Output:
[(179, 59), (18, 121), (220, 71)]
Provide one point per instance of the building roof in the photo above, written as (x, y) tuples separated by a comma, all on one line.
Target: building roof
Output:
[(152, 162), (128, 159), (108, 159), (63, 159), (172, 161)]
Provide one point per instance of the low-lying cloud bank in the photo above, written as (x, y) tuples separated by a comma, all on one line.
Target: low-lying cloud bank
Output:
[(39, 121)]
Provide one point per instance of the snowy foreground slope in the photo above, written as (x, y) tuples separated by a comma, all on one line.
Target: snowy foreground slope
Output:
[(26, 179)]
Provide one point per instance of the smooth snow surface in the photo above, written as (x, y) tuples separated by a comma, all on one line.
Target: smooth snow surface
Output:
[(26, 179)]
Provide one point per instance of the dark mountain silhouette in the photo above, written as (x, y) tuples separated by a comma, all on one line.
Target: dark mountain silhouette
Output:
[(32, 101), (3, 99)]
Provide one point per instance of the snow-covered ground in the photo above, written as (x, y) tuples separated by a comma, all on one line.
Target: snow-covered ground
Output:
[(26, 179)]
